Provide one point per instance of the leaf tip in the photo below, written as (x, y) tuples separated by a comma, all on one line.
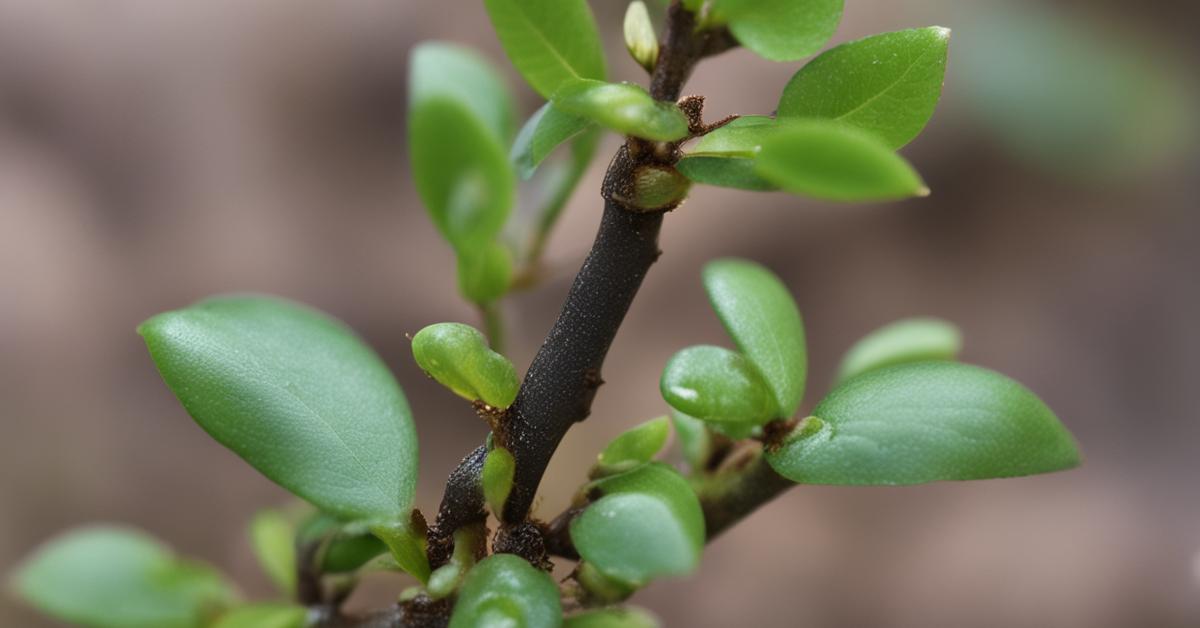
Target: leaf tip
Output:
[(922, 191)]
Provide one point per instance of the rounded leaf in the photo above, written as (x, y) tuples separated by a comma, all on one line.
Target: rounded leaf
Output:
[(444, 70), (694, 439), (924, 422), (908, 340), (623, 107), (781, 30), (761, 316), (297, 395), (637, 445), (498, 470), (484, 272), (458, 357), (504, 590), (718, 385), (550, 41)]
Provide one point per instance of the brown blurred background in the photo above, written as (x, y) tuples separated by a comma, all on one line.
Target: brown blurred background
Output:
[(152, 153)]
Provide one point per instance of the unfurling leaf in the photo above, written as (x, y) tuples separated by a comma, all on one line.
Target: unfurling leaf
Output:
[(925, 422), (908, 340), (635, 446), (504, 590), (498, 470), (550, 41), (274, 540), (458, 357), (717, 385), (622, 107), (640, 39), (297, 395), (887, 84)]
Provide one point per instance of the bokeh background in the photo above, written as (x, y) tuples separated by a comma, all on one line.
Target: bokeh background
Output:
[(152, 153)]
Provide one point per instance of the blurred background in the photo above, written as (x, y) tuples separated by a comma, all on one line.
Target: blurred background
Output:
[(153, 153)]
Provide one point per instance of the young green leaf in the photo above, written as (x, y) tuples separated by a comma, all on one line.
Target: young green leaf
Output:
[(498, 470), (111, 577), (760, 315), (925, 422), (781, 30), (458, 357), (544, 131), (407, 546), (622, 107), (445, 70), (484, 272), (640, 39), (887, 84), (694, 439), (461, 172), (635, 446), (349, 550), (908, 340), (717, 385), (264, 616), (274, 540), (627, 617), (550, 41), (504, 590), (831, 160), (647, 524), (297, 395), (726, 157)]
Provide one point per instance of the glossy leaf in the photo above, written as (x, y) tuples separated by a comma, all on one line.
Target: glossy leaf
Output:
[(543, 132), (646, 525), (925, 422), (458, 357), (622, 107), (498, 470), (484, 272), (274, 539), (640, 39), (627, 617), (726, 157), (441, 70), (781, 30), (908, 340), (111, 577), (504, 590), (760, 315), (637, 445), (265, 616), (887, 84), (830, 160), (694, 439), (461, 172), (550, 41), (297, 395), (717, 385)]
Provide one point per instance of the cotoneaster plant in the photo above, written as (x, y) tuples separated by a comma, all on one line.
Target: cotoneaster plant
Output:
[(302, 399)]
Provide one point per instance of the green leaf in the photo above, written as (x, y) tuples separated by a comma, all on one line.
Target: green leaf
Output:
[(717, 385), (694, 439), (760, 315), (440, 70), (546, 130), (484, 272), (264, 616), (831, 160), (887, 84), (726, 157), (640, 38), (274, 540), (925, 422), (550, 41), (498, 470), (112, 577), (623, 107), (628, 617), (637, 445), (647, 524), (781, 30), (407, 546), (458, 357), (297, 395), (504, 590), (350, 549), (461, 172), (908, 340)]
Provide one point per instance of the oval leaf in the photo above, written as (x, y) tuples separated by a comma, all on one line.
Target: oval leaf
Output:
[(623, 107), (274, 540), (925, 422), (726, 157), (636, 445), (781, 30), (550, 41), (484, 272), (718, 385), (113, 577), (265, 616), (445, 70), (613, 618), (760, 315), (544, 131), (498, 470), (458, 357), (887, 84), (834, 161), (297, 395), (504, 590), (908, 340), (648, 524)]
